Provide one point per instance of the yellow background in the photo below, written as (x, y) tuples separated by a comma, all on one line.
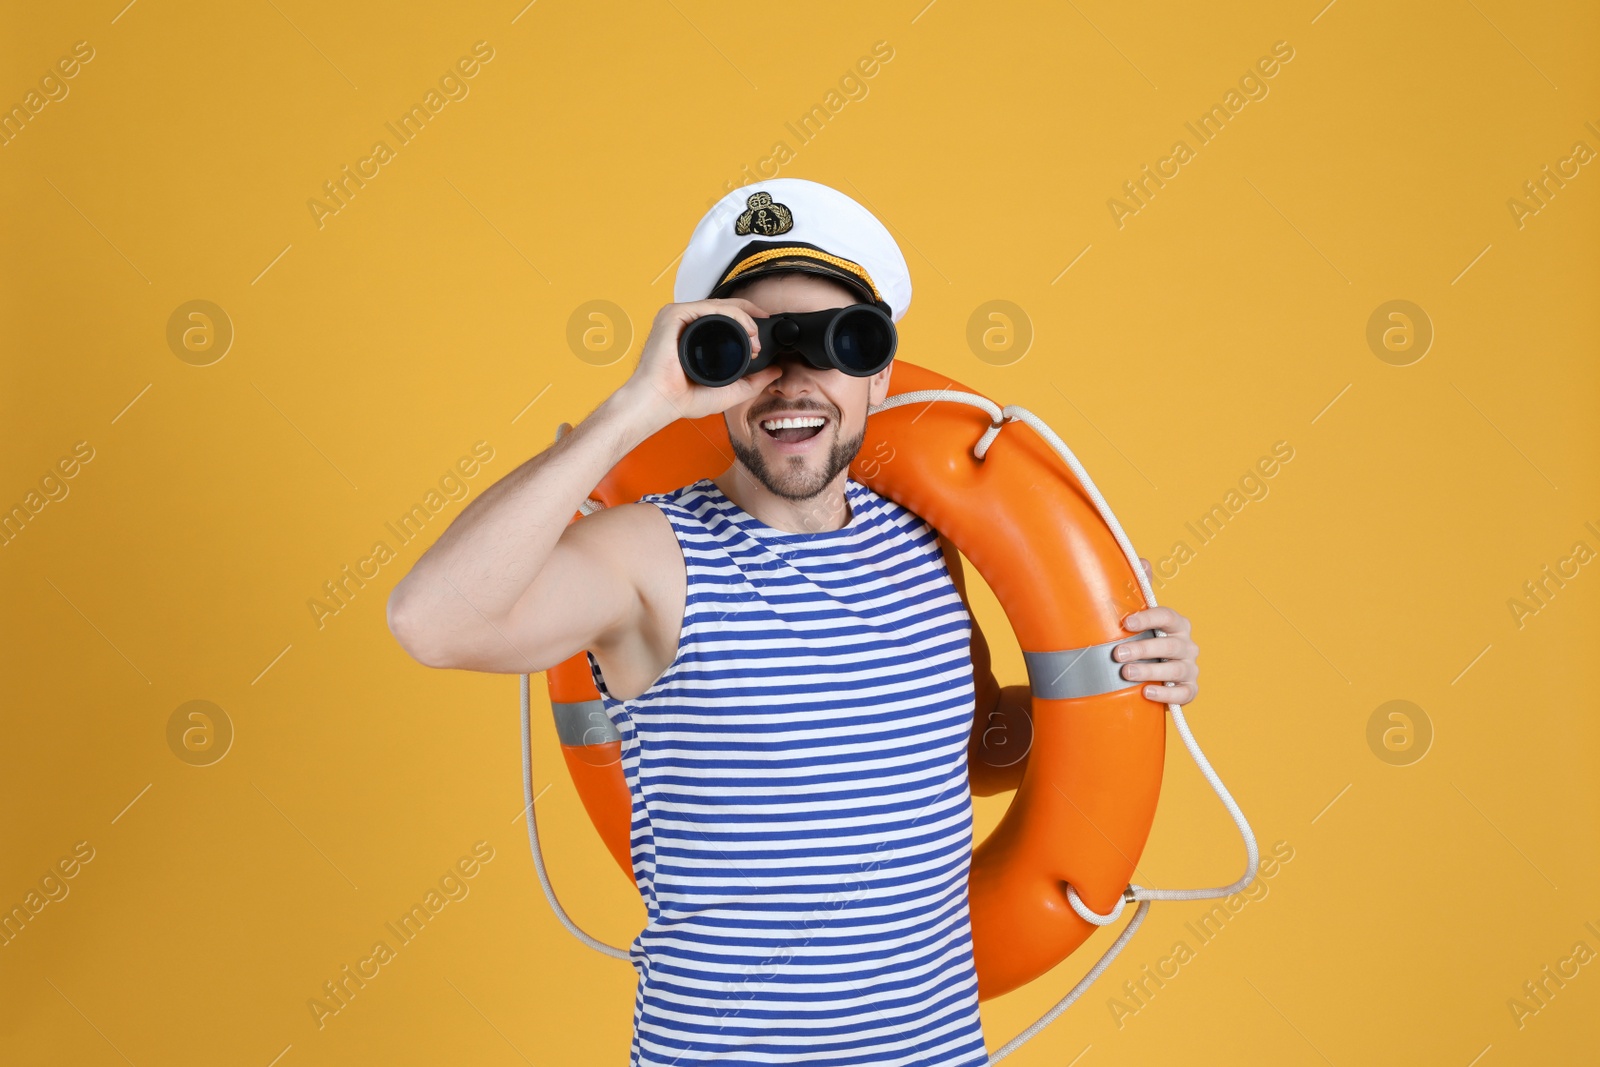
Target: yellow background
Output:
[(370, 353)]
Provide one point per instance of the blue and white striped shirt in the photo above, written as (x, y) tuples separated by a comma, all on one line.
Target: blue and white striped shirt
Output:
[(802, 826)]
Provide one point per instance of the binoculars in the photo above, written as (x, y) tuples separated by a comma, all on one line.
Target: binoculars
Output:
[(859, 340)]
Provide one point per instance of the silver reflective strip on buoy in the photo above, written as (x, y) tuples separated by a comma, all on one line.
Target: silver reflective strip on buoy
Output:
[(583, 722), (1080, 672)]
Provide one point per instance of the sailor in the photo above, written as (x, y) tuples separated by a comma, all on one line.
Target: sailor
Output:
[(785, 658)]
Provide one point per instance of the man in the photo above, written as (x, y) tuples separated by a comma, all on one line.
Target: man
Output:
[(787, 660)]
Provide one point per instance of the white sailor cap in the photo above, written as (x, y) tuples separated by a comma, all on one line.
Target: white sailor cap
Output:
[(791, 224)]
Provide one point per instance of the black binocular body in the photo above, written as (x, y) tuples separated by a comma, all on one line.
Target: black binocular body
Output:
[(859, 339)]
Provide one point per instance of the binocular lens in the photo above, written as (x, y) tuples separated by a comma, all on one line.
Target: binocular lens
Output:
[(715, 349), (862, 341)]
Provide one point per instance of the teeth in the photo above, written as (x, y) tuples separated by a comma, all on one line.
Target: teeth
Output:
[(780, 424)]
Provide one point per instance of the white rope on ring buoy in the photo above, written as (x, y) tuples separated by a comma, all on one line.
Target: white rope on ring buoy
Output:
[(1088, 915), (533, 843), (999, 418)]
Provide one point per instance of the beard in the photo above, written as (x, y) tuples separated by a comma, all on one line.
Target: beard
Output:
[(798, 477)]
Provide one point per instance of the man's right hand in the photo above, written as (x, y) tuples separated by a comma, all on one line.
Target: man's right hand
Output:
[(659, 382), (513, 584)]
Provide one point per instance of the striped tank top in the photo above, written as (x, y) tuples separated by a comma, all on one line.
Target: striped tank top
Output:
[(802, 826)]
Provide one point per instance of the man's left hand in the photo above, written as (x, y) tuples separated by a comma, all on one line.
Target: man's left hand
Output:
[(1177, 649)]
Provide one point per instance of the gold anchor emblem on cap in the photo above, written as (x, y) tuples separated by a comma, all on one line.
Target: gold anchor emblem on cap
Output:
[(762, 216)]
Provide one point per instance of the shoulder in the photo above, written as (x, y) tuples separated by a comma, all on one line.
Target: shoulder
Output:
[(631, 538), (636, 547)]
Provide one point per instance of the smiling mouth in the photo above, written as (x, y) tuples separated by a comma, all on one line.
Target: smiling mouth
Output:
[(790, 434)]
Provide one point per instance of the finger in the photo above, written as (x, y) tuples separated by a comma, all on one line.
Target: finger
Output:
[(737, 309), (1176, 670), (1149, 572), (1178, 647), (1171, 694), (1157, 618), (751, 384)]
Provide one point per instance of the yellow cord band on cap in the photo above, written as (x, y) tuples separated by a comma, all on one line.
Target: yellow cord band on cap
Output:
[(808, 253)]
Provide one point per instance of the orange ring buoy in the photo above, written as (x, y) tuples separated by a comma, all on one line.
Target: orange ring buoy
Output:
[(1089, 784)]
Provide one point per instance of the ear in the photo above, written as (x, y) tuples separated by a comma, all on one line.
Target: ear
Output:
[(878, 386)]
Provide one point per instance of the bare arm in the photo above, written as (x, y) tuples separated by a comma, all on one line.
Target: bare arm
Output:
[(513, 585), (453, 609)]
